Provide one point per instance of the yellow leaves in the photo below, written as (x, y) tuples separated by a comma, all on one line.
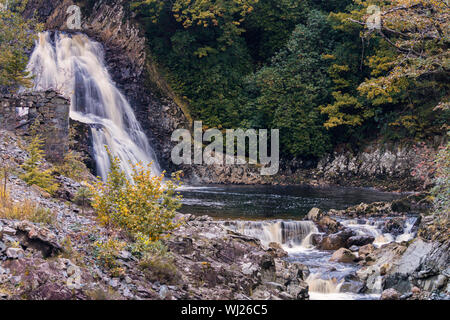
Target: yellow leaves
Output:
[(145, 206), (328, 57), (338, 112), (409, 122), (107, 253)]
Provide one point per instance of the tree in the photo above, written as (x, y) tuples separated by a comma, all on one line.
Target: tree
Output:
[(34, 174), (403, 61), (289, 90), (16, 39)]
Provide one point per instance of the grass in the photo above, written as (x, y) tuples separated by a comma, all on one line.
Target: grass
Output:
[(26, 210)]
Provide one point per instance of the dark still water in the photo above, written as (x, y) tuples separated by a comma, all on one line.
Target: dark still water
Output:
[(273, 202)]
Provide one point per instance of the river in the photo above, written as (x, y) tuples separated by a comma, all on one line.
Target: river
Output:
[(276, 213)]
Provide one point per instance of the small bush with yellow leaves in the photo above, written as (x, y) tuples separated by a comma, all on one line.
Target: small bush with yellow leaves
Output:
[(146, 205), (107, 252)]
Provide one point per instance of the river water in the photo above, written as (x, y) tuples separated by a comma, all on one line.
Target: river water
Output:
[(275, 213), (273, 202)]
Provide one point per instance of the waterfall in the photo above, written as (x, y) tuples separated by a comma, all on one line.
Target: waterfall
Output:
[(287, 233), (74, 66), (323, 286)]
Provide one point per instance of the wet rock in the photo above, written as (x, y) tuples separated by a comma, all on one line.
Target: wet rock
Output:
[(334, 241), (276, 250), (343, 255), (360, 240), (394, 226), (401, 205), (315, 214), (366, 250), (390, 294), (328, 225)]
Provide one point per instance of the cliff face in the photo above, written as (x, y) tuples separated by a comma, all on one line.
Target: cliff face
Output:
[(389, 167), (129, 64)]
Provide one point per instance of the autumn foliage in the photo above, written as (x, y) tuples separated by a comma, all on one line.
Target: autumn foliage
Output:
[(144, 206)]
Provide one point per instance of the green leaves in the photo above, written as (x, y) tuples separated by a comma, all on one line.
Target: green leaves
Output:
[(293, 86), (310, 68), (16, 38)]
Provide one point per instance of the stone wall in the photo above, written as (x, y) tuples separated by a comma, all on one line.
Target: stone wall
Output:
[(46, 112)]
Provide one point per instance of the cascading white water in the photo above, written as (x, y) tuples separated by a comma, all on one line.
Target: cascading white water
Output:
[(326, 280), (289, 234), (73, 65), (375, 231)]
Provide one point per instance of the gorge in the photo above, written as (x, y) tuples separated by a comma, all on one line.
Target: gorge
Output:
[(322, 228)]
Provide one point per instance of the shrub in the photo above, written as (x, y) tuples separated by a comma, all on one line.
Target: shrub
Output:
[(73, 167), (146, 205), (34, 175), (156, 262), (83, 197), (107, 252)]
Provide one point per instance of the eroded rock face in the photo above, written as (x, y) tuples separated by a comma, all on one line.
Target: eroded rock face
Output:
[(422, 264), (374, 164)]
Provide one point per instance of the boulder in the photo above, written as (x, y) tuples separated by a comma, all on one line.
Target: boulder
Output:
[(366, 250), (359, 241), (336, 241), (315, 214), (394, 226), (390, 294), (328, 225), (401, 205), (343, 255)]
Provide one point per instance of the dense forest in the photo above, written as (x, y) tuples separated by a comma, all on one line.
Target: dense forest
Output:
[(323, 72)]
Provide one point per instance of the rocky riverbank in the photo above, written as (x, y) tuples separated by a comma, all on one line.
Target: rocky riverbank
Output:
[(56, 256), (406, 266), (400, 254)]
